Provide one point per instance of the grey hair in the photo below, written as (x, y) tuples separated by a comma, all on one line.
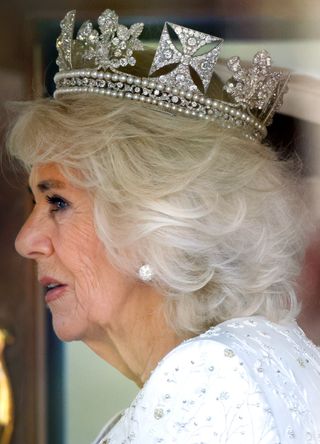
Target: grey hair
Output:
[(219, 218)]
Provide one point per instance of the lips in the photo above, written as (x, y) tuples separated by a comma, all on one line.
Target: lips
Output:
[(52, 288)]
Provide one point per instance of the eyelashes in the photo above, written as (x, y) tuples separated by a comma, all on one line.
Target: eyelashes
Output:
[(57, 203)]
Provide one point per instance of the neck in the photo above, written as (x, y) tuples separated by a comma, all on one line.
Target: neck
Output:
[(135, 347)]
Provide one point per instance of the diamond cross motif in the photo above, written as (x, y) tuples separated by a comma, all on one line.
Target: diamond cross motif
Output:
[(197, 53)]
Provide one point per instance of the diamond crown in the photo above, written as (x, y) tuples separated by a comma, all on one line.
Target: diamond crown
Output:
[(179, 77)]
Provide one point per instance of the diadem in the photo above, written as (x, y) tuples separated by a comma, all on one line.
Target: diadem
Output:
[(95, 63)]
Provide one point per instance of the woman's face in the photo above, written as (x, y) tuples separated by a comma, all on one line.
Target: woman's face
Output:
[(82, 289)]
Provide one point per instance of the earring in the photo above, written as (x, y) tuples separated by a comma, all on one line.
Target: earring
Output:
[(145, 273)]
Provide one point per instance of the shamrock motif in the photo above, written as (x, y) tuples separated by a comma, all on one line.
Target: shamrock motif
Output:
[(193, 55), (254, 86)]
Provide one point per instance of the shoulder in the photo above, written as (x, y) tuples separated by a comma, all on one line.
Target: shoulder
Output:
[(203, 370), (245, 381), (203, 356), (203, 389)]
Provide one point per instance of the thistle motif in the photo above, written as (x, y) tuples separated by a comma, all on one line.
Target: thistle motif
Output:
[(254, 86), (197, 54)]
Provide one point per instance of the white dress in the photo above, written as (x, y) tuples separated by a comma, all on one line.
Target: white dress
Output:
[(246, 381)]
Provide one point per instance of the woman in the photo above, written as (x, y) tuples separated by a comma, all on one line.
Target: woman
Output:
[(170, 245)]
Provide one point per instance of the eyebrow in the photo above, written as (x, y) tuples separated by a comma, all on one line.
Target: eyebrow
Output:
[(46, 185)]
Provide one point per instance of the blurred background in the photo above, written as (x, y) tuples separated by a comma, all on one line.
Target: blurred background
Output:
[(63, 393)]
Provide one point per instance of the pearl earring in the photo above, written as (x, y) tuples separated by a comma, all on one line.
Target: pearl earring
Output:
[(145, 273)]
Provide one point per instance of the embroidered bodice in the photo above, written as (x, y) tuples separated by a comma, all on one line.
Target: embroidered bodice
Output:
[(246, 381)]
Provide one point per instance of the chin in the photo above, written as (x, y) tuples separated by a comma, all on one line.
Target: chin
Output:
[(66, 332)]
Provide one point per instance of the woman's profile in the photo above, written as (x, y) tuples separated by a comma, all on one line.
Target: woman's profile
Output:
[(168, 237)]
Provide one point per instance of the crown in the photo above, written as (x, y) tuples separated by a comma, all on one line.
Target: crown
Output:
[(180, 74)]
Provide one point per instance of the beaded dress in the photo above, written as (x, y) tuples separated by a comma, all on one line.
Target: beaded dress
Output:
[(245, 381)]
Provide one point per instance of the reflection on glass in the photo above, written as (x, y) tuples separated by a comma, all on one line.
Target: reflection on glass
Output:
[(6, 399)]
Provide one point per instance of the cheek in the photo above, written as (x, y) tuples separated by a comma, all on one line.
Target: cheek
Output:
[(76, 245), (106, 291), (84, 257), (100, 291)]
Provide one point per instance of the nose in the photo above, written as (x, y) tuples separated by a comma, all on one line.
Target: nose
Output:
[(33, 240)]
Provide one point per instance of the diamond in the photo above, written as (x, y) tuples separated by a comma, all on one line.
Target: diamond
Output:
[(228, 353), (145, 273), (192, 41), (158, 413), (205, 65), (180, 78)]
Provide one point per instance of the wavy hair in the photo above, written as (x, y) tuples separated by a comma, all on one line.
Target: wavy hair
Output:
[(218, 217)]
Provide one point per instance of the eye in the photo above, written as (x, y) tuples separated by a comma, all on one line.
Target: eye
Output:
[(57, 203)]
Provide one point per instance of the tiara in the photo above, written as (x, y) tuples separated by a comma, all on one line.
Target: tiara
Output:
[(179, 77)]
